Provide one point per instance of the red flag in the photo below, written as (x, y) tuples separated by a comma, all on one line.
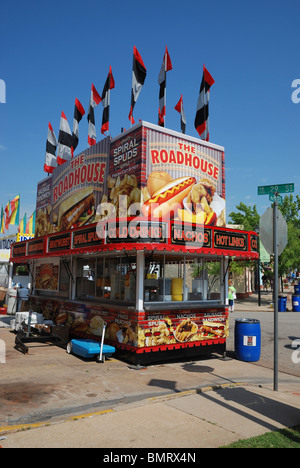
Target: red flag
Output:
[(109, 84), (162, 79), (94, 101), (201, 119), (64, 141), (50, 158), (78, 114), (7, 217), (138, 78), (180, 109)]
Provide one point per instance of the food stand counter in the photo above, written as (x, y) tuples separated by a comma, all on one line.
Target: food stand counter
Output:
[(161, 287)]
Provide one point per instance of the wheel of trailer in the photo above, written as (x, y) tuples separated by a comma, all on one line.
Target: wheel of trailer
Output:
[(69, 347), (100, 360)]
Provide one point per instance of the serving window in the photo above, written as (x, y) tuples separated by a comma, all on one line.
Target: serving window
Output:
[(106, 277), (170, 278)]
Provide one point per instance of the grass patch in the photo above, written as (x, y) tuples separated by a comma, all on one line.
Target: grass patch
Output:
[(283, 438)]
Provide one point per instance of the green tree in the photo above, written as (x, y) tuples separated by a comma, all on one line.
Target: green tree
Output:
[(290, 209), (247, 216), (290, 257)]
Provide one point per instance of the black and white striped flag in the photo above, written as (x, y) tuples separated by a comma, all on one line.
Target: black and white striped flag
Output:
[(78, 114), (94, 101), (109, 84), (138, 78), (50, 159), (162, 77), (180, 109), (64, 141), (202, 119)]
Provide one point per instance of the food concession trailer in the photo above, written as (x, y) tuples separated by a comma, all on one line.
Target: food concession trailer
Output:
[(132, 232)]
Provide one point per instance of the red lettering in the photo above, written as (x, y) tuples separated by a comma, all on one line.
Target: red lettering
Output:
[(66, 185), (188, 159), (203, 165), (77, 175), (102, 173), (71, 179), (180, 158), (90, 172), (60, 188), (172, 157), (196, 162), (164, 156), (154, 156), (216, 173), (83, 174)]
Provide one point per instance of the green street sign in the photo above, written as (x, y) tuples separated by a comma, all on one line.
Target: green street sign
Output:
[(274, 198), (282, 188)]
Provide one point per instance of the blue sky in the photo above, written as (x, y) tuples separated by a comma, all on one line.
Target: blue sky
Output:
[(50, 55)]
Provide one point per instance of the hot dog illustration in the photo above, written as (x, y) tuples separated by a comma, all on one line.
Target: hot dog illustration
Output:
[(166, 201), (77, 209)]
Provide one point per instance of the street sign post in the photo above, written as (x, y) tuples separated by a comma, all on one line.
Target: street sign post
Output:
[(273, 191), (277, 198), (282, 188)]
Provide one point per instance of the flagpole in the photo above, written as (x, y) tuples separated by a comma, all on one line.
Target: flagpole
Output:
[(166, 85)]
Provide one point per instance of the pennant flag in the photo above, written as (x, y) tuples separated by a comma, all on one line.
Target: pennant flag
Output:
[(22, 225), (180, 109), (50, 159), (138, 77), (162, 80), (94, 101), (6, 209), (109, 84), (64, 141), (78, 114), (15, 210), (30, 226), (201, 119), (2, 226)]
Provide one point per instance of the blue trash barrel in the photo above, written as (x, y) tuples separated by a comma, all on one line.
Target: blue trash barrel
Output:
[(297, 288), (296, 303), (282, 303), (247, 339)]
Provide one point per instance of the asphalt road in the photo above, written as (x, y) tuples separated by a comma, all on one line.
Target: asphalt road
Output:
[(288, 333)]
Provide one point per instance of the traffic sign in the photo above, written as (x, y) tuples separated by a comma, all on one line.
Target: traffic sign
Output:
[(277, 198), (282, 188), (266, 233)]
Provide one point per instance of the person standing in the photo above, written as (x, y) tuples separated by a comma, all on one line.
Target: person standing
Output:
[(231, 296)]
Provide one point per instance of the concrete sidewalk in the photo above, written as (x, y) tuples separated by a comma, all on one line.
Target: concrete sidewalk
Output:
[(200, 418), (266, 301)]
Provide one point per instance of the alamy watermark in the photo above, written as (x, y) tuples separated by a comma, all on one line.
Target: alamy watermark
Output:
[(135, 226), (2, 352), (296, 353), (2, 92), (296, 94)]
